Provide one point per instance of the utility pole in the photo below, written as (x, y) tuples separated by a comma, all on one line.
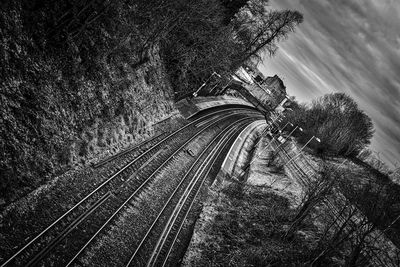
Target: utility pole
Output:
[(204, 84)]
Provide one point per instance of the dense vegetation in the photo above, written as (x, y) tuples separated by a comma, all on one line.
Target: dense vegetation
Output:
[(66, 65), (344, 215), (353, 205), (70, 65), (255, 226), (249, 228), (337, 121), (209, 38)]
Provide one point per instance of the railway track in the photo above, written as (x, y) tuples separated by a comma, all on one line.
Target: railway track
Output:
[(167, 240), (130, 198), (288, 155), (69, 233), (172, 215)]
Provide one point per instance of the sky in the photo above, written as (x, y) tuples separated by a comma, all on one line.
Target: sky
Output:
[(350, 46)]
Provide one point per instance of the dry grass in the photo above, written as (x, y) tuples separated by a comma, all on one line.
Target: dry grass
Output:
[(248, 230)]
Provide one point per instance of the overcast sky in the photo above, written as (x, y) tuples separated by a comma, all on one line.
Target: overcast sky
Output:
[(346, 46)]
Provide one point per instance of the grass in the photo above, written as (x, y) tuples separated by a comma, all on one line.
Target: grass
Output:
[(248, 230)]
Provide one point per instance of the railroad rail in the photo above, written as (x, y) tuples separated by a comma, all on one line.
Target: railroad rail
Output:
[(171, 231), (109, 197), (148, 179), (178, 205)]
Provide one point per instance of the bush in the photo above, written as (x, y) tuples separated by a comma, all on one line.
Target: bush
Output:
[(335, 118), (200, 45)]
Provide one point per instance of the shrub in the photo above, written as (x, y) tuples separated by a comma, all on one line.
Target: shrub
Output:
[(335, 118)]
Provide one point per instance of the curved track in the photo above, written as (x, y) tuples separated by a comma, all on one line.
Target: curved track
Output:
[(173, 213), (64, 240)]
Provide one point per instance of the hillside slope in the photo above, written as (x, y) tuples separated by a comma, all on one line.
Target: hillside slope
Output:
[(62, 104)]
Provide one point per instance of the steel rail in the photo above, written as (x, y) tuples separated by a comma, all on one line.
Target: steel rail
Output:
[(188, 211), (128, 150), (122, 153), (191, 204), (143, 184), (184, 197), (67, 230), (202, 177), (172, 195)]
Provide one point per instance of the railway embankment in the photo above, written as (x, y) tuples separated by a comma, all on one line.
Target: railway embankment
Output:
[(77, 119)]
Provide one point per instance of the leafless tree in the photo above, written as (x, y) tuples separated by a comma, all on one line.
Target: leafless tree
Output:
[(352, 217), (315, 193), (258, 28)]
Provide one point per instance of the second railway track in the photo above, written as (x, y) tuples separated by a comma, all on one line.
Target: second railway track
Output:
[(173, 212)]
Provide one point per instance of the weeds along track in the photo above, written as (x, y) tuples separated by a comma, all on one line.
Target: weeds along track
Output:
[(157, 242), (132, 151), (286, 155), (71, 231)]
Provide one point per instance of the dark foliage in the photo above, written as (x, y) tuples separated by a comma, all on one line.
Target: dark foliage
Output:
[(376, 196), (64, 64), (200, 45), (204, 43), (248, 230), (335, 118), (231, 8)]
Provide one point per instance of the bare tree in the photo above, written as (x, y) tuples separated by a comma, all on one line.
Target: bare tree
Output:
[(336, 231), (315, 193), (258, 29), (352, 217)]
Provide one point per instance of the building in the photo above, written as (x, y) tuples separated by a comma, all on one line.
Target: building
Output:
[(271, 91), (276, 86)]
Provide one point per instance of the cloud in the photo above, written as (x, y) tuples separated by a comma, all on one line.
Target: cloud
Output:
[(349, 46)]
